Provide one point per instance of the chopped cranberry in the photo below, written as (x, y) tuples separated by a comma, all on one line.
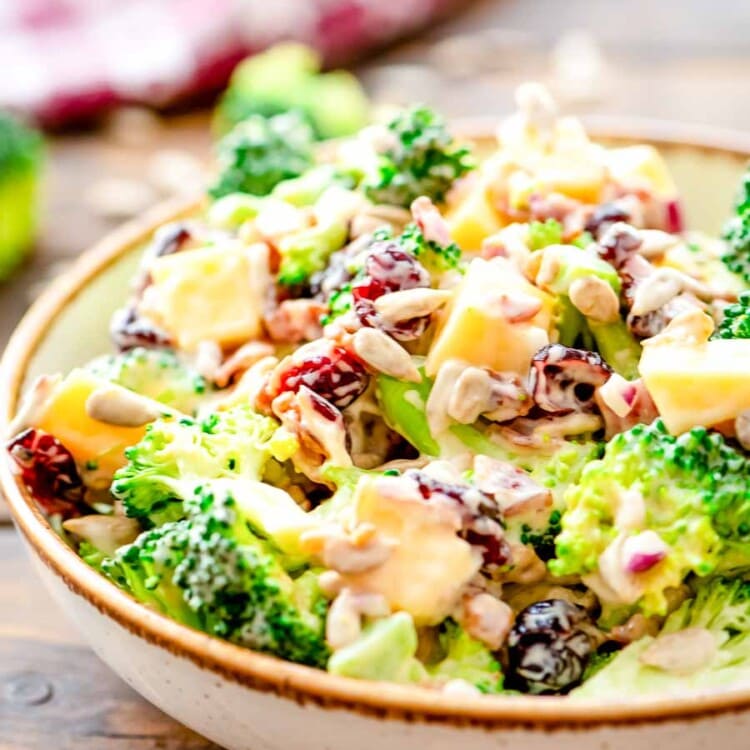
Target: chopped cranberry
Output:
[(604, 216), (324, 407), (169, 239), (480, 514), (129, 330), (49, 472), (389, 269), (618, 243), (328, 370)]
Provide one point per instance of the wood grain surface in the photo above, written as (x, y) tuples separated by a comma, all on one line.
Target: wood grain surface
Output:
[(678, 59)]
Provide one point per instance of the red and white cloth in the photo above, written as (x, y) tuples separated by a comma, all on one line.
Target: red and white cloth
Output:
[(64, 60)]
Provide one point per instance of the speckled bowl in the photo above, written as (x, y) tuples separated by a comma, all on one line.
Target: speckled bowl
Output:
[(246, 701)]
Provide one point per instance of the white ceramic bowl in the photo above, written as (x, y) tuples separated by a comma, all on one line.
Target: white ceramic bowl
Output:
[(246, 701)]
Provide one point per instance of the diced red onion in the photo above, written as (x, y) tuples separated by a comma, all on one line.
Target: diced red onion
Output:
[(643, 551), (674, 216)]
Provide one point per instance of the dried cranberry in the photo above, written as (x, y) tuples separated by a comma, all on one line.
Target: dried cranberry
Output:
[(334, 276), (618, 243), (168, 239), (480, 515), (563, 379), (604, 216), (549, 647), (49, 472), (393, 269), (331, 371), (389, 269), (129, 330)]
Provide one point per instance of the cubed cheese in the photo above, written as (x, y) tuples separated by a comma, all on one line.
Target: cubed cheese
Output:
[(641, 166), (209, 294), (63, 414), (473, 219), (475, 328), (698, 384), (429, 564)]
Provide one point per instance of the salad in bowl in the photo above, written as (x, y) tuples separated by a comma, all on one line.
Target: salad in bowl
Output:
[(404, 412)]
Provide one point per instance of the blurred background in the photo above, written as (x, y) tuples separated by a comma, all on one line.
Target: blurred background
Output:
[(119, 100)]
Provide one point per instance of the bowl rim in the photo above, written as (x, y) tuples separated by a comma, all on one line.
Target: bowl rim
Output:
[(269, 674)]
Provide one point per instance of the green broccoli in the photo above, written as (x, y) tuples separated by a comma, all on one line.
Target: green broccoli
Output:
[(736, 233), (550, 232), (236, 443), (308, 187), (544, 233), (695, 493), (92, 556), (386, 651), (613, 340), (465, 658), (339, 303), (211, 572), (617, 345), (433, 256), (21, 155), (307, 252), (543, 539), (421, 161), (736, 322), (722, 608), (156, 373), (287, 77), (260, 152)]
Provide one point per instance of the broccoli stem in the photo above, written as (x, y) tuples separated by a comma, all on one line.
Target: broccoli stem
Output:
[(618, 347)]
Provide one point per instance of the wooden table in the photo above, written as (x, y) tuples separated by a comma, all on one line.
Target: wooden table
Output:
[(679, 59)]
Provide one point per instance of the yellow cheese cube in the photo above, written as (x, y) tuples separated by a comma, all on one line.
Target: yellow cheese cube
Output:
[(641, 165), (473, 219), (207, 294), (429, 564), (474, 328), (63, 414), (698, 384), (579, 178)]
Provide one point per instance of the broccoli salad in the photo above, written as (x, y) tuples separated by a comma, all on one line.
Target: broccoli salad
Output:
[(405, 411)]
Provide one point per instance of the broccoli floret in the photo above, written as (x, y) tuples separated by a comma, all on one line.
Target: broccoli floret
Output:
[(736, 233), (211, 572), (544, 233), (339, 303), (613, 340), (721, 607), (306, 189), (736, 322), (21, 155), (433, 256), (156, 373), (261, 152), (91, 555), (307, 252), (694, 491), (422, 160), (543, 540), (236, 443), (550, 232), (465, 658), (384, 651), (287, 77)]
